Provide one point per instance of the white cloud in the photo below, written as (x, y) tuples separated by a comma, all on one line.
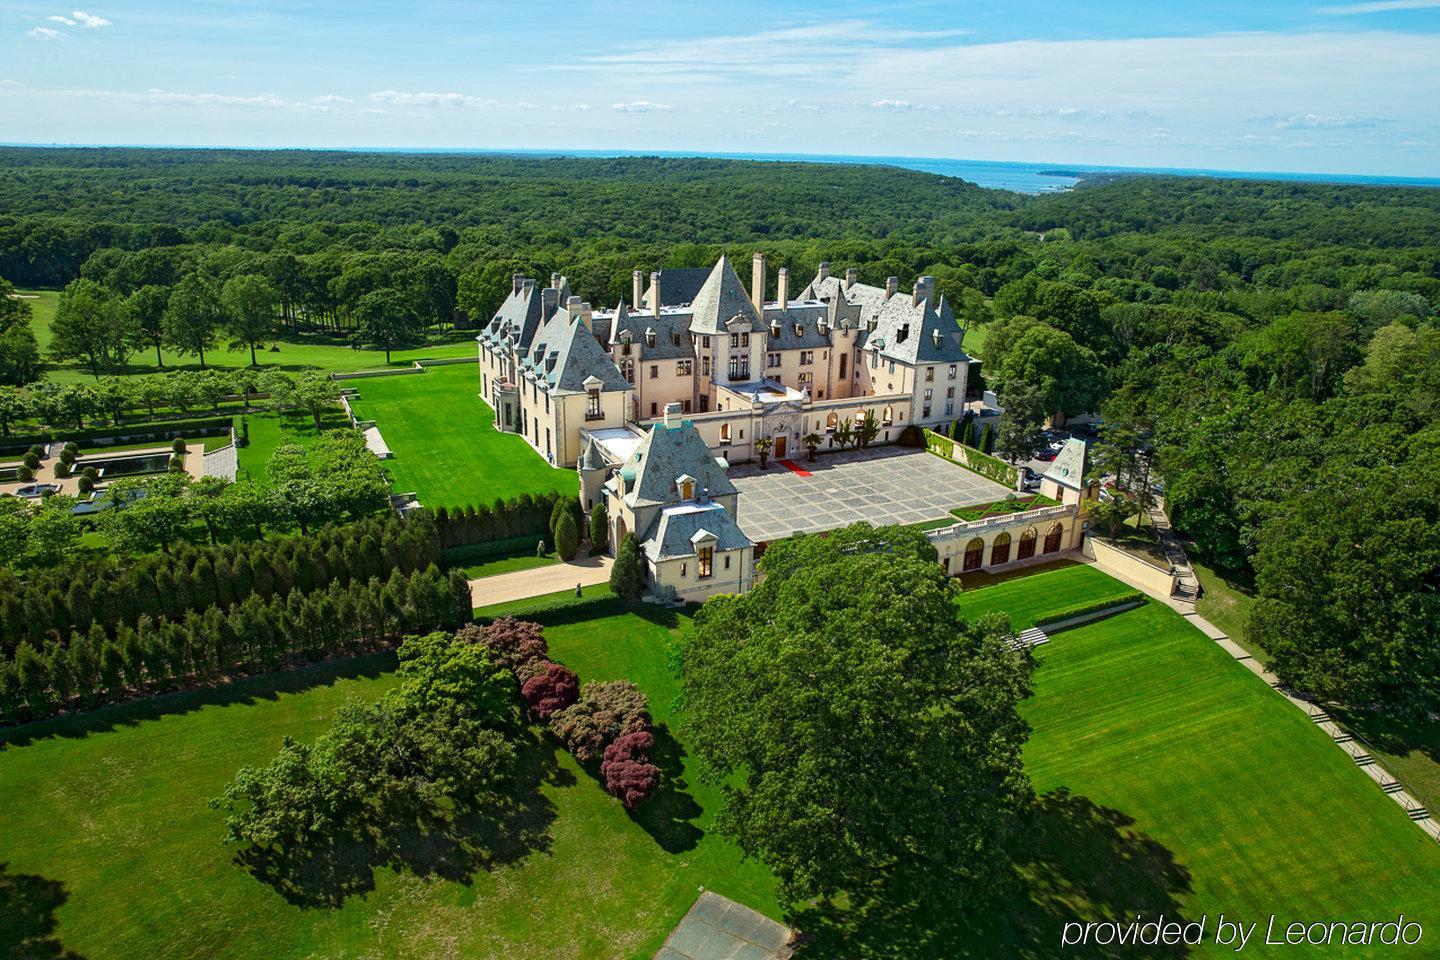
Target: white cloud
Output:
[(46, 33), (1311, 121), (424, 98), (330, 99), (59, 19), (638, 106), (1380, 6), (214, 99), (575, 108), (892, 105), (89, 20)]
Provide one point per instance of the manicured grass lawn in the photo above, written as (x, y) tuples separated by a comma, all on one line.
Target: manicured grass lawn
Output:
[(445, 443), (1225, 601), (116, 803), (268, 431), (308, 352), (974, 340), (1029, 597), (498, 565)]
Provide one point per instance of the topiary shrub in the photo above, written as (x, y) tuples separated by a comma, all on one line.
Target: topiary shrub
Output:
[(36, 449), (31, 459), (599, 528), (177, 463), (628, 772), (178, 446), (87, 484), (62, 470), (68, 455), (71, 447), (567, 536), (24, 474), (551, 690), (512, 642)]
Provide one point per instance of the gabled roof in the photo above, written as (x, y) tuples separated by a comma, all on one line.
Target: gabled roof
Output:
[(910, 331), (678, 286), (1068, 467), (565, 354), (780, 328), (666, 454), (523, 311), (669, 328), (681, 530), (719, 299)]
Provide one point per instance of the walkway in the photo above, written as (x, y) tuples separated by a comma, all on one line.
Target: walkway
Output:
[(1184, 604), (1187, 584), (524, 584)]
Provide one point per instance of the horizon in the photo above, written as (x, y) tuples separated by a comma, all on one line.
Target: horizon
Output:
[(1287, 87)]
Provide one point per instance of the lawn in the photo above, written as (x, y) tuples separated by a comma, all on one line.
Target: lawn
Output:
[(1028, 596), (1225, 601), (493, 566), (304, 352), (112, 811), (269, 430), (445, 443)]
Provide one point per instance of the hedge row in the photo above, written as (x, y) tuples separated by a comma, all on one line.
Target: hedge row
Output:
[(472, 552), (204, 649), (991, 468), (1094, 606), (129, 433), (523, 516)]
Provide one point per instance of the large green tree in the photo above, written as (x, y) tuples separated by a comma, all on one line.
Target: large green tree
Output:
[(19, 352), (251, 306), (387, 319), (93, 327), (194, 315), (861, 727), (147, 308)]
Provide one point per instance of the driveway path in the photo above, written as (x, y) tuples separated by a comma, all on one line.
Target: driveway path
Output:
[(523, 584)]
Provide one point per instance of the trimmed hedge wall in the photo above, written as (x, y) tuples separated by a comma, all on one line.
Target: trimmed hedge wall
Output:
[(991, 468), (1094, 606), (130, 433)]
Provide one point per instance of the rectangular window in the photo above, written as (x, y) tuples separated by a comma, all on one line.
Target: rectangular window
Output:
[(772, 359), (654, 371), (683, 368), (734, 341), (929, 374), (547, 402), (952, 371), (739, 368), (806, 379), (949, 393), (685, 406), (727, 561), (875, 358), (705, 342), (592, 405), (929, 393), (653, 408), (807, 357), (892, 366), (949, 407), (925, 412), (706, 562), (705, 366), (744, 339)]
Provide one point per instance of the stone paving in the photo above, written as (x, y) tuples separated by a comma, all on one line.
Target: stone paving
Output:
[(881, 485)]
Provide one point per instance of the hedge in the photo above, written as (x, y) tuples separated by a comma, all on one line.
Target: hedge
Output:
[(1094, 606), (568, 608), (991, 468), (473, 552), (168, 430)]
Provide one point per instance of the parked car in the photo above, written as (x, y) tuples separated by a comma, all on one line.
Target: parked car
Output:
[(1057, 445), (1046, 455), (1032, 483)]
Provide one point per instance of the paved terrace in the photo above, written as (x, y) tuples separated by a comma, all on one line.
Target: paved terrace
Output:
[(881, 485)]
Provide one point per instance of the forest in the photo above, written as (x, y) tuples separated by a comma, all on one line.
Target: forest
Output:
[(1271, 348)]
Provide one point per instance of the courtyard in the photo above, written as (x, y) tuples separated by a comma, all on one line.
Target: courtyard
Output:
[(880, 485)]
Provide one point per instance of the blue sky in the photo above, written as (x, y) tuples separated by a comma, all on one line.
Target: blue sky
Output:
[(1326, 86)]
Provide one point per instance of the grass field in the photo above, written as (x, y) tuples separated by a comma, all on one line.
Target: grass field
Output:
[(269, 430), (303, 353), (511, 564), (1029, 597), (445, 443), (1225, 601), (1173, 781)]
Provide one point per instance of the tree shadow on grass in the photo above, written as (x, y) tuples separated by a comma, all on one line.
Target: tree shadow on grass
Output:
[(669, 816), (28, 904), (326, 874), (244, 691), (1073, 861)]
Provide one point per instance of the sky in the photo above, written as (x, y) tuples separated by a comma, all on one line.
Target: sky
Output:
[(1265, 85)]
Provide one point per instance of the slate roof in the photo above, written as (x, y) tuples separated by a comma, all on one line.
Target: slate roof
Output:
[(564, 354), (1068, 467), (591, 457), (720, 299), (915, 333), (522, 313), (678, 531), (663, 456), (678, 286), (806, 317), (671, 328)]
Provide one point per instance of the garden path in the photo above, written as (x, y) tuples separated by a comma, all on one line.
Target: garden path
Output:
[(523, 584)]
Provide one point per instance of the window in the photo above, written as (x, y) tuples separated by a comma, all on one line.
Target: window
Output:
[(874, 359), (892, 366), (929, 393), (653, 408), (744, 339), (949, 407), (1052, 538), (705, 342), (1000, 552), (929, 374), (687, 490), (625, 348), (974, 554), (705, 366), (592, 405), (772, 359), (724, 433), (683, 368), (727, 561), (654, 371), (952, 371), (831, 422), (807, 357), (547, 441), (843, 357), (684, 568), (1027, 545), (888, 417), (949, 393), (734, 341), (739, 368), (705, 562), (806, 379), (684, 406), (627, 370), (547, 402)]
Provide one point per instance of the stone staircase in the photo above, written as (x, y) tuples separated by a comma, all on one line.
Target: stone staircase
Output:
[(1029, 638)]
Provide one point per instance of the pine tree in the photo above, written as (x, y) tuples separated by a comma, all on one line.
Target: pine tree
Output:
[(77, 599), (112, 671), (33, 675), (599, 528), (627, 576), (567, 536), (987, 438), (62, 677)]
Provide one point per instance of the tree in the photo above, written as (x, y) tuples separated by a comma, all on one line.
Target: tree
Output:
[(844, 433), (194, 315), (627, 769), (1108, 516), (146, 514), (627, 576), (812, 443), (93, 327), (862, 727), (868, 430), (147, 310), (762, 450), (1020, 428), (603, 712), (599, 528), (567, 536), (251, 304), (553, 688), (19, 351), (386, 318)]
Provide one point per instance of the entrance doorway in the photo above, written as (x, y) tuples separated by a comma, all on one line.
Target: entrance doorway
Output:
[(780, 442)]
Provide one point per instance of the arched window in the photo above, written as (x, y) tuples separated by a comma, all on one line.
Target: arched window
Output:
[(1000, 551), (1052, 538), (832, 421), (974, 555), (724, 433), (1027, 545), (889, 416)]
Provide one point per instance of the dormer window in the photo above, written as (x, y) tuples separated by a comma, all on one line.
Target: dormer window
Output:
[(799, 330), (686, 486), (649, 336)]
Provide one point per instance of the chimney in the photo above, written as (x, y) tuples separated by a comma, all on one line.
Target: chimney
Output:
[(824, 272), (555, 280), (851, 275), (757, 282), (891, 285), (924, 290), (549, 299), (672, 415), (517, 280), (655, 293), (637, 287), (783, 293)]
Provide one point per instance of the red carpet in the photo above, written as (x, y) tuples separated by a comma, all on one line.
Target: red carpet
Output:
[(793, 467)]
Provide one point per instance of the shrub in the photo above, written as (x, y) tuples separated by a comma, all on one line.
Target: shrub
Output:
[(178, 445), (512, 641), (627, 576), (599, 528), (62, 470), (72, 448), (567, 536), (31, 459), (68, 455), (604, 712), (911, 436), (177, 463), (36, 449), (87, 482), (627, 769), (551, 690), (1093, 606), (24, 474)]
